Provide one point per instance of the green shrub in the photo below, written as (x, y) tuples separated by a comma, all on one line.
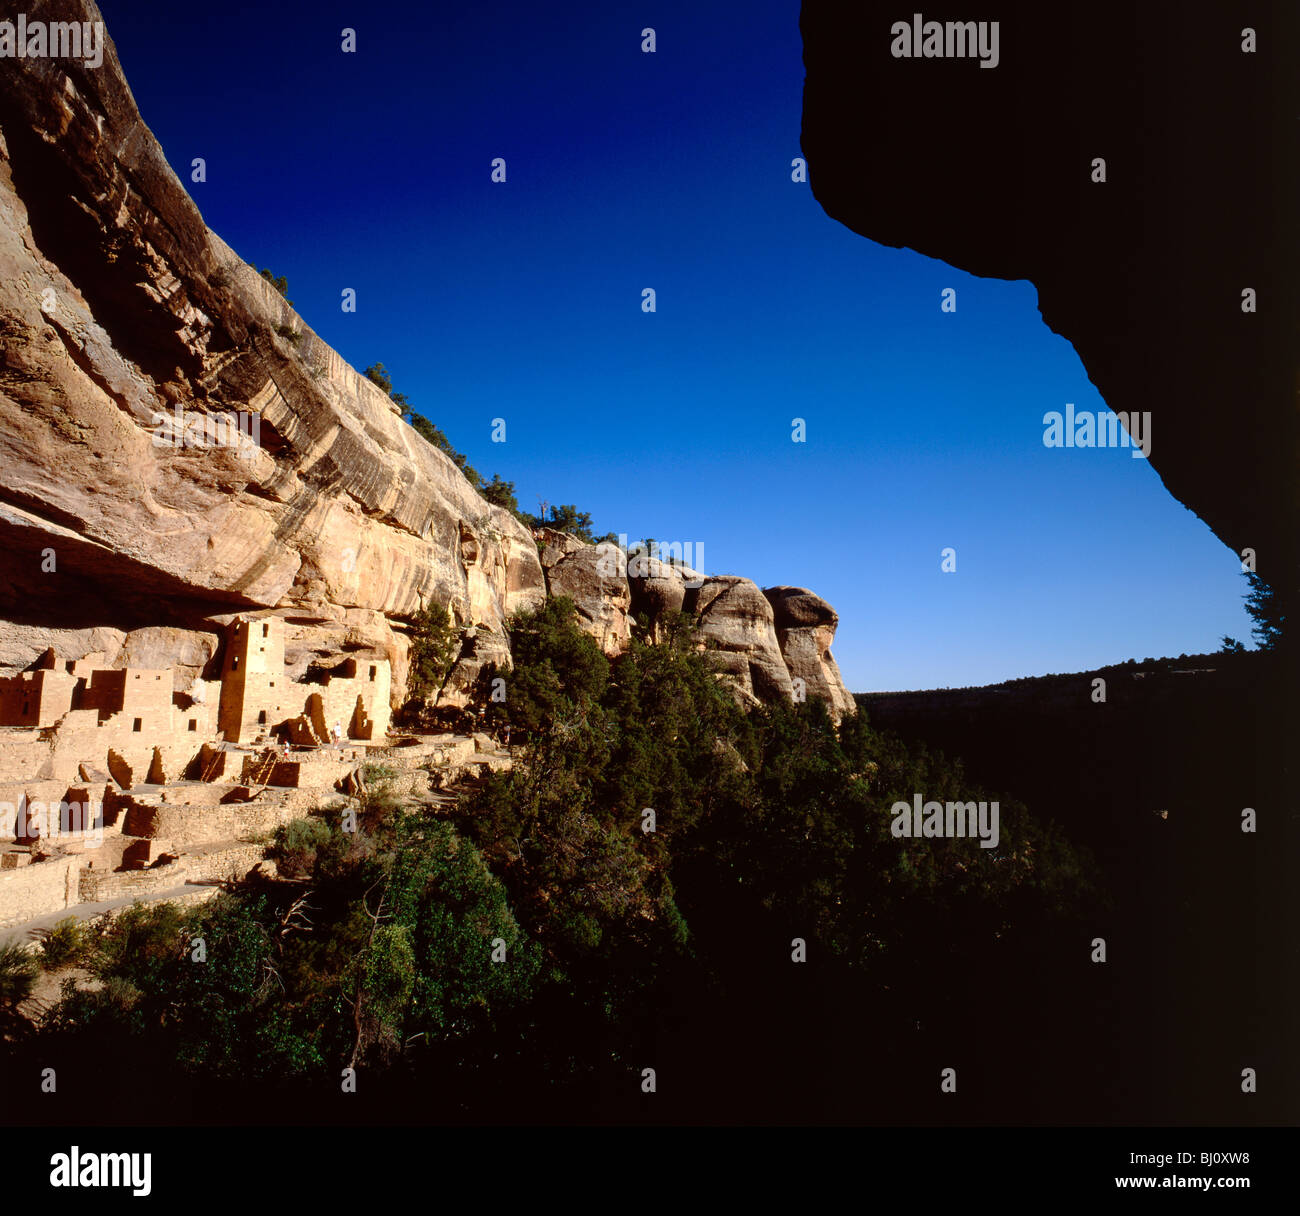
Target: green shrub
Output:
[(280, 283), (435, 644), (18, 971), (68, 942), (295, 845), (143, 944), (378, 798), (501, 493), (377, 374)]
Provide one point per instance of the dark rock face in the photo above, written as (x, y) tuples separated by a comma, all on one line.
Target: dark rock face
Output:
[(990, 169)]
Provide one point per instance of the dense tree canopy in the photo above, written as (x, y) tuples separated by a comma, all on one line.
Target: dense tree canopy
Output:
[(651, 849)]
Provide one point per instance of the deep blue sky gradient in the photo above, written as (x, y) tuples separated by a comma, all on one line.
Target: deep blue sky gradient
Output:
[(672, 170)]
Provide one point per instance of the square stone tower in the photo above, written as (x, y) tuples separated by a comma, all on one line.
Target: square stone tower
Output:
[(253, 685)]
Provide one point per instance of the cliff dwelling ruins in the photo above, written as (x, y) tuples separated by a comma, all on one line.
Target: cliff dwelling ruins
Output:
[(117, 782)]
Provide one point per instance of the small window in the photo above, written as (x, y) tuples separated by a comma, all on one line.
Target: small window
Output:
[(194, 724), (261, 718), (372, 673), (137, 675), (272, 683), (234, 664), (265, 630), (138, 725)]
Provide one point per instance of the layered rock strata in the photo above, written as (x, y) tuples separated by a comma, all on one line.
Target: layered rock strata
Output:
[(180, 449)]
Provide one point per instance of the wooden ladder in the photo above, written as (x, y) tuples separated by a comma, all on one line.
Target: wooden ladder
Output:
[(212, 765), (263, 772)]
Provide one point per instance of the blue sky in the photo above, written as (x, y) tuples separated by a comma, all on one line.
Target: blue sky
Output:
[(625, 170)]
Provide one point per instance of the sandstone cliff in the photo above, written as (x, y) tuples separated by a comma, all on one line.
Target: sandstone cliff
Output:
[(770, 643), (117, 304), (179, 446)]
